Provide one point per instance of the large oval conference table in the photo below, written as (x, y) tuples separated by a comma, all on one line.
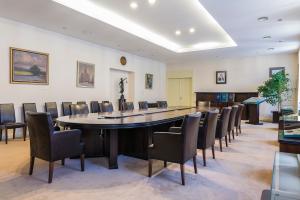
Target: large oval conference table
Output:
[(128, 133)]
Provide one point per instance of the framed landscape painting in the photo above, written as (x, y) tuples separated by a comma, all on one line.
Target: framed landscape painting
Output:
[(85, 75), (221, 77), (29, 67), (275, 70), (148, 81)]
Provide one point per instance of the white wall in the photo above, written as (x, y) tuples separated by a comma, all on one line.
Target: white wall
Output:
[(64, 52), (243, 75)]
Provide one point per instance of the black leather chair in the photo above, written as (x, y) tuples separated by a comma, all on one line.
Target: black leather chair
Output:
[(50, 145), (162, 104), (231, 122), (222, 126), (51, 107), (28, 107), (143, 105), (95, 108), (238, 118), (207, 134), (66, 108), (176, 147), (8, 121), (81, 102), (128, 106), (81, 109), (107, 107)]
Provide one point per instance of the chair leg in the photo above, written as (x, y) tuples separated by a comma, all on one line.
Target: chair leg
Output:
[(195, 164), (229, 136), (149, 168), (51, 167), (240, 129), (24, 133), (204, 157), (220, 141), (31, 165), (165, 164), (182, 174), (236, 130), (82, 162), (233, 134), (213, 151), (226, 141), (0, 134), (63, 162), (14, 133), (6, 135)]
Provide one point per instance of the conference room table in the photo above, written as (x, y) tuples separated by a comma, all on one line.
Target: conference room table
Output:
[(128, 133)]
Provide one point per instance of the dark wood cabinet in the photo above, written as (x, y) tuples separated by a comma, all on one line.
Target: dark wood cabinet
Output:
[(224, 99)]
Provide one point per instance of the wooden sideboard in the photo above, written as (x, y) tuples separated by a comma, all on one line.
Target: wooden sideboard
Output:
[(224, 99)]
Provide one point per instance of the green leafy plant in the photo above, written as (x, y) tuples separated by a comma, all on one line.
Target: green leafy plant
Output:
[(276, 89)]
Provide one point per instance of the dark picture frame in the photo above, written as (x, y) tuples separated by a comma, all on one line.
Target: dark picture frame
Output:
[(28, 67), (274, 70), (221, 77), (85, 75), (148, 81)]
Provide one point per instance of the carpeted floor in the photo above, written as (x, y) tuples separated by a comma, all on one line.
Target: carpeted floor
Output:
[(241, 171)]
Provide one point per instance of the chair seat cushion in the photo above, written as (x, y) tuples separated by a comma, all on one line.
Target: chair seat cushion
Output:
[(13, 125)]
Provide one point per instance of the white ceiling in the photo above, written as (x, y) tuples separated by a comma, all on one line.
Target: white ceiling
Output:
[(237, 17)]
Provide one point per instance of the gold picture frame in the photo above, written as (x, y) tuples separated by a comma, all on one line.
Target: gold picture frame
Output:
[(28, 67)]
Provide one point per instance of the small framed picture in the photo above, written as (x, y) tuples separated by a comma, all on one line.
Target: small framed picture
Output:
[(221, 77), (85, 75), (29, 67), (275, 70), (148, 81)]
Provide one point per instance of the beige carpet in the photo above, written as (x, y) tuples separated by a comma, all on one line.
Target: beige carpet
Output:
[(242, 171)]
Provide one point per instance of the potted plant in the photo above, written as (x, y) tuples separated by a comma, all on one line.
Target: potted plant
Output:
[(276, 90)]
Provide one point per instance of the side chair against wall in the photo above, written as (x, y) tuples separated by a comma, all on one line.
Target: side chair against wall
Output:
[(8, 121), (28, 107), (238, 118), (231, 122), (143, 105), (222, 126), (50, 145), (51, 107), (177, 147), (79, 109), (162, 104), (207, 134), (107, 107), (81, 102), (128, 106)]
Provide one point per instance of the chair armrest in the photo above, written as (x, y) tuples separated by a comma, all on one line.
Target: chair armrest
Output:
[(175, 129), (66, 144)]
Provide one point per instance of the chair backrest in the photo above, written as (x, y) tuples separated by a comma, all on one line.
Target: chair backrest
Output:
[(7, 113), (28, 107), (79, 109), (190, 127), (232, 118), (128, 106), (51, 107), (162, 104), (207, 137), (66, 108), (40, 126), (95, 108), (107, 107), (81, 102), (203, 103), (143, 105), (224, 121), (239, 115)]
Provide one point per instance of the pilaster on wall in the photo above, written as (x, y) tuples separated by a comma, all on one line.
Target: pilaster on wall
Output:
[(298, 89)]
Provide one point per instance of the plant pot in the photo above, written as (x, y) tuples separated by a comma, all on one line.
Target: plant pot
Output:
[(276, 116)]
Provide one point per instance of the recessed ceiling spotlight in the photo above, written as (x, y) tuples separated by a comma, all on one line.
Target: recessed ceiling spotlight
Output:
[(279, 20), (271, 49), (64, 28), (280, 41), (178, 32), (267, 37), (263, 19), (134, 5), (151, 2), (192, 30)]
